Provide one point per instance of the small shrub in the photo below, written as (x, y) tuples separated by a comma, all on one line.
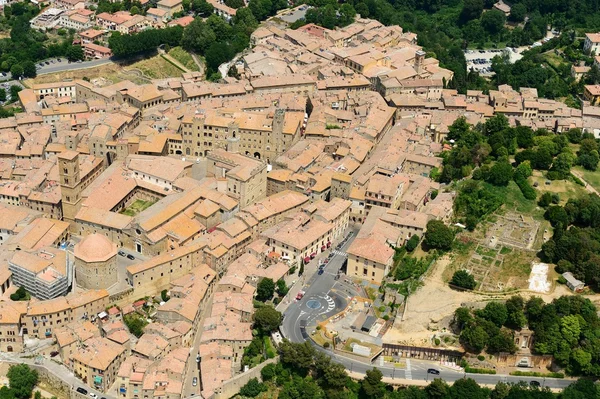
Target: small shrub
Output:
[(437, 342), (481, 358), (326, 344), (386, 317)]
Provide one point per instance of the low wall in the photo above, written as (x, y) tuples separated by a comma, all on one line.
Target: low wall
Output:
[(232, 387)]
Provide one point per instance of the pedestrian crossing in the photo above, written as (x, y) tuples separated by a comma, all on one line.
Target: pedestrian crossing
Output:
[(407, 372), (330, 303), (340, 253)]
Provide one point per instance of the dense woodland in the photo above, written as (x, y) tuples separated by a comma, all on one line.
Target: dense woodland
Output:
[(575, 244), (568, 328)]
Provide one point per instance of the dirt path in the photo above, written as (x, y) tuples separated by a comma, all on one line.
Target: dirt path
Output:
[(199, 63), (173, 61), (588, 186)]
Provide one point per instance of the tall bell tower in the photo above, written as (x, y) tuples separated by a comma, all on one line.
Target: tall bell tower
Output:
[(70, 184)]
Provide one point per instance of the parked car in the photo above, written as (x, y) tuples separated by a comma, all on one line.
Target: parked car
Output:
[(130, 257), (534, 383), (195, 381), (54, 353), (93, 395), (433, 371), (82, 391), (122, 253), (321, 271), (300, 295)]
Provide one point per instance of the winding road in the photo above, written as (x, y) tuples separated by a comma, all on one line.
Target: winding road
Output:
[(325, 295)]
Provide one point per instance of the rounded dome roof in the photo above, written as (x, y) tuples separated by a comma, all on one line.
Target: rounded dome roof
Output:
[(95, 248)]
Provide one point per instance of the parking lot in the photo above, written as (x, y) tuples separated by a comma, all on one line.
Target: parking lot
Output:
[(481, 60)]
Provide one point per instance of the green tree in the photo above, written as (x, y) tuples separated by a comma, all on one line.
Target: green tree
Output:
[(267, 318), (500, 174), (135, 10), (438, 235), (14, 92), (29, 70), (517, 12), (253, 388), (464, 279), (474, 338), (135, 324), (21, 380), (371, 386), (472, 9), (412, 243), (265, 289), (570, 329), (495, 312), (235, 3), (282, 288), (75, 53), (2, 94), (467, 388), (438, 388), (16, 71)]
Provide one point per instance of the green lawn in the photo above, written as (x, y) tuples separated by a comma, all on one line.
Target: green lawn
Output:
[(137, 207), (593, 178), (184, 58)]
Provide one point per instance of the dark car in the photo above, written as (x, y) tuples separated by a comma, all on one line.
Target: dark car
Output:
[(53, 353), (47, 63), (130, 256), (534, 383), (82, 391), (321, 271), (433, 371), (122, 253)]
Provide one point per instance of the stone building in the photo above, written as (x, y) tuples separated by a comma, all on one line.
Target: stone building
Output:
[(96, 262)]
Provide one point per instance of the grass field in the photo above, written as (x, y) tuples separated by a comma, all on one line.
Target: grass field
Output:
[(593, 178), (156, 68), (564, 188), (137, 207), (184, 58)]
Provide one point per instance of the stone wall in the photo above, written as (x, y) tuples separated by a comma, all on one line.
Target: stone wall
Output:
[(232, 387)]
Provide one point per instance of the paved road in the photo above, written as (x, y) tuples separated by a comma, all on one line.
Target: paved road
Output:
[(60, 371), (324, 297), (66, 66)]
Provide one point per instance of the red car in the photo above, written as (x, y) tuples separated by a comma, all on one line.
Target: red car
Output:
[(300, 295)]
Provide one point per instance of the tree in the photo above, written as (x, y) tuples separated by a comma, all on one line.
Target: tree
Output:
[(282, 288), (438, 235), (299, 356), (493, 21), (412, 243), (438, 388), (22, 379), (265, 289), (500, 174), (495, 312), (29, 69), (463, 279), (135, 324), (517, 12), (164, 295), (16, 71), (371, 386), (14, 92), (2, 94), (268, 372), (267, 318), (75, 53), (472, 9), (467, 388), (135, 10), (474, 338), (253, 388), (235, 3)]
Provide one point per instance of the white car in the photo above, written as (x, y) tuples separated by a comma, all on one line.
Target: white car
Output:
[(93, 395)]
